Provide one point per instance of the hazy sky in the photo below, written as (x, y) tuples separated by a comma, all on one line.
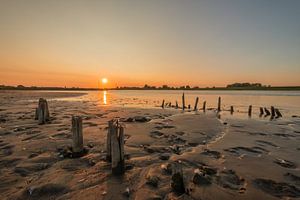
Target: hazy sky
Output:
[(175, 42)]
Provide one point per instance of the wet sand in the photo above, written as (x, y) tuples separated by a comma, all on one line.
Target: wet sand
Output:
[(227, 158)]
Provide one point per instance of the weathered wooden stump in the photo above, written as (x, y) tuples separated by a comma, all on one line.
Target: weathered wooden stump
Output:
[(272, 111), (231, 110), (42, 112), (261, 110), (267, 111), (278, 113), (219, 104), (163, 104), (183, 102), (196, 104), (108, 141), (177, 183), (77, 147), (204, 106), (115, 147), (250, 111)]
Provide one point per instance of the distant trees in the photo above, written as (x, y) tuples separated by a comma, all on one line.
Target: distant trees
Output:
[(245, 85)]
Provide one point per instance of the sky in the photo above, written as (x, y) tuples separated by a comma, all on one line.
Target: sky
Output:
[(192, 42)]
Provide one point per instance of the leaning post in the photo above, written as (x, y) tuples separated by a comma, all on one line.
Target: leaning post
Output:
[(196, 104)]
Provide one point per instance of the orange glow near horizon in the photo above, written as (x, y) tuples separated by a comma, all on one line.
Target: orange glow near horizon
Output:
[(200, 44)]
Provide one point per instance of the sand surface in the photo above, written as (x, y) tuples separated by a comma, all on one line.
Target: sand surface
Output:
[(241, 158)]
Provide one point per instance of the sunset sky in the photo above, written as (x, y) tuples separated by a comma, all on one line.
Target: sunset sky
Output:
[(174, 42)]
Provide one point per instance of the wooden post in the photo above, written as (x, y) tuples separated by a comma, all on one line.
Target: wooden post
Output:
[(219, 104), (196, 104), (261, 111), (77, 134), (42, 112), (36, 114), (250, 111), (177, 183), (267, 111), (231, 110), (117, 148), (183, 102), (278, 113), (176, 105), (204, 106), (272, 111), (108, 141), (163, 104)]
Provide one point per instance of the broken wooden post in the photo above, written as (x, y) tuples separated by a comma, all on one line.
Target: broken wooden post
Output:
[(163, 104), (108, 141), (261, 111), (231, 110), (183, 102), (219, 104), (36, 117), (42, 112), (272, 111), (177, 183), (278, 113), (250, 111), (117, 148), (176, 105), (77, 146), (204, 106), (267, 111), (196, 104)]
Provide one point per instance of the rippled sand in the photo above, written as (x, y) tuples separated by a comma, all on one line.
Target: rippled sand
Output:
[(243, 158)]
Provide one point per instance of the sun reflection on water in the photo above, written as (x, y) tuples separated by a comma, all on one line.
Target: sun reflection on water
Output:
[(104, 98)]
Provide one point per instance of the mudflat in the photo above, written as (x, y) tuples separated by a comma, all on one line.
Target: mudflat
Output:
[(221, 158)]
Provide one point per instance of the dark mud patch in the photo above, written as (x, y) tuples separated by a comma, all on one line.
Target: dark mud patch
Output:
[(47, 191), (62, 135), (292, 177), (229, 179), (210, 153), (265, 143), (240, 151), (285, 163), (77, 164), (284, 135), (166, 126), (156, 134), (277, 189), (25, 170), (7, 163), (6, 150)]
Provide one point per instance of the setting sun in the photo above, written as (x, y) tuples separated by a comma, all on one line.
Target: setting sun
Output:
[(104, 80)]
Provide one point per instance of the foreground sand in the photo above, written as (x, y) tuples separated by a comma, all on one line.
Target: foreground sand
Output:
[(244, 158)]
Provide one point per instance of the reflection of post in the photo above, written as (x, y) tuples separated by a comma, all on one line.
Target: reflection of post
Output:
[(104, 98)]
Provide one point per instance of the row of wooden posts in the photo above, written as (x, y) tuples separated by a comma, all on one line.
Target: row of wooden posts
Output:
[(115, 137), (263, 110)]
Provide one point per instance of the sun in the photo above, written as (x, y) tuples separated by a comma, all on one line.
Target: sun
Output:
[(104, 80)]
